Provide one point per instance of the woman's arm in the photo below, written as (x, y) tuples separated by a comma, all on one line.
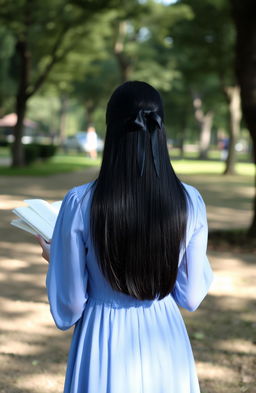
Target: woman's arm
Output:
[(195, 274), (45, 248)]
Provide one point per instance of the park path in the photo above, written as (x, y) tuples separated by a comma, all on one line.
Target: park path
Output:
[(33, 352)]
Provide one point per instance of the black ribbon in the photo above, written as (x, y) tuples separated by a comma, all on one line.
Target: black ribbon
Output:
[(148, 121)]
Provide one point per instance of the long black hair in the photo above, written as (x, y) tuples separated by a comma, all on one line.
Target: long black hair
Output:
[(139, 206)]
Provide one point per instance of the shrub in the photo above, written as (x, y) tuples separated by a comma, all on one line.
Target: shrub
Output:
[(47, 151), (31, 153), (35, 151)]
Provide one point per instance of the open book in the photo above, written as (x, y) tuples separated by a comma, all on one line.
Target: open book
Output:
[(38, 218)]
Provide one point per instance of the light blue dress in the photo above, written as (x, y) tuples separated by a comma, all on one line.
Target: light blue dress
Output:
[(120, 344)]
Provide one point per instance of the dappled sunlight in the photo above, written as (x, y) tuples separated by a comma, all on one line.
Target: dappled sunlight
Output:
[(228, 199), (18, 347), (215, 372), (31, 348), (30, 251), (236, 345), (220, 330), (28, 247), (39, 382), (33, 376), (226, 218), (15, 264), (234, 276), (8, 203), (25, 315)]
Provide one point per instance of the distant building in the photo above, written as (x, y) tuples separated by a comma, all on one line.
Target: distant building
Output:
[(7, 124)]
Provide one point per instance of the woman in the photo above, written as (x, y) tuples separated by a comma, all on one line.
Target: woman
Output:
[(126, 250)]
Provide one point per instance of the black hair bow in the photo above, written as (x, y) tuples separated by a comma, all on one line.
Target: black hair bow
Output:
[(148, 121)]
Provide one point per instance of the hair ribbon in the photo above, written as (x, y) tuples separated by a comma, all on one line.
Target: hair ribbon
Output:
[(148, 121)]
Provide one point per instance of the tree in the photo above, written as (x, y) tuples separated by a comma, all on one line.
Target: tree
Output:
[(244, 16), (44, 33), (7, 85), (206, 60), (133, 48)]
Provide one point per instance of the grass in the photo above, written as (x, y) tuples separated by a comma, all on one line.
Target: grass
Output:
[(58, 164), (210, 167), (213, 154), (4, 151), (62, 163)]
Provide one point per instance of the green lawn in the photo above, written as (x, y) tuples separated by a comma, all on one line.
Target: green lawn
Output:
[(187, 167), (62, 163), (58, 164), (4, 151), (213, 154)]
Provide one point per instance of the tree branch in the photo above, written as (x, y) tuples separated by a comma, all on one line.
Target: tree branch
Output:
[(54, 59)]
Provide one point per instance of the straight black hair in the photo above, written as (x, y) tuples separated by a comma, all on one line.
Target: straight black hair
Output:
[(139, 206)]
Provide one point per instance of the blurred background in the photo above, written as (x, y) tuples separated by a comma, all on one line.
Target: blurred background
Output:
[(60, 60)]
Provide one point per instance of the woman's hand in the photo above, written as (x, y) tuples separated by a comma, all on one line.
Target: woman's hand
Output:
[(45, 247)]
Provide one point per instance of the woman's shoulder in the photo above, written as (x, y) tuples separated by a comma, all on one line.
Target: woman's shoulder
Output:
[(80, 192), (192, 192), (196, 205), (77, 198)]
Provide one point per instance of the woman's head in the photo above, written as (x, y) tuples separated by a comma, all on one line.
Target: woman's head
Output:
[(138, 213), (135, 136), (129, 98)]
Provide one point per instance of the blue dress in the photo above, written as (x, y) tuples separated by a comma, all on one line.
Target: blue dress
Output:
[(120, 344)]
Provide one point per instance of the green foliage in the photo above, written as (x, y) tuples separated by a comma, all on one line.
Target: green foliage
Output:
[(31, 153), (157, 46), (205, 43), (47, 151), (34, 152), (7, 87)]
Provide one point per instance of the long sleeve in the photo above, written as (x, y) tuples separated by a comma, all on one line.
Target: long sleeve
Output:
[(67, 275), (194, 274)]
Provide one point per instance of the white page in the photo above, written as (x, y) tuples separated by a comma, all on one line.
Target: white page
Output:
[(56, 205), (38, 223), (43, 209), (19, 223)]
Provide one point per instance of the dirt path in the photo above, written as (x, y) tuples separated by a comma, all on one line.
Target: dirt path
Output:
[(33, 352)]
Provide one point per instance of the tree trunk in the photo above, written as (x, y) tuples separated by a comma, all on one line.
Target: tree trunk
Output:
[(63, 118), (245, 21), (21, 103), (89, 115), (181, 144), (205, 124), (17, 149), (182, 136), (205, 136), (90, 107), (252, 229), (122, 60), (234, 102)]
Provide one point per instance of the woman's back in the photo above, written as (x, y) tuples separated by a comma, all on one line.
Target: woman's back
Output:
[(127, 250), (122, 344)]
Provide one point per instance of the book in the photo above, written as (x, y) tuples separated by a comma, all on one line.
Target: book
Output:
[(38, 217)]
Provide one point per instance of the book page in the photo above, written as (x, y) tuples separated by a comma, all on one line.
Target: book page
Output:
[(56, 205), (44, 209), (34, 220), (19, 223)]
